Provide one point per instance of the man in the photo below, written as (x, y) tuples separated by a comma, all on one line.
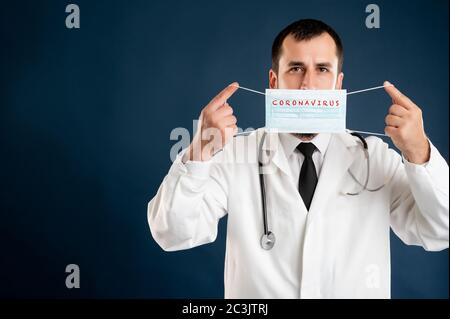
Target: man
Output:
[(328, 244)]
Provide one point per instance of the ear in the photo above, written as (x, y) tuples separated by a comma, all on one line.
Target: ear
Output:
[(273, 81), (340, 80)]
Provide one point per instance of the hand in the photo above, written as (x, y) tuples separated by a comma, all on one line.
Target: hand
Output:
[(216, 126), (404, 125)]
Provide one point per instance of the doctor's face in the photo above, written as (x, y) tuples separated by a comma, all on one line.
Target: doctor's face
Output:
[(307, 65)]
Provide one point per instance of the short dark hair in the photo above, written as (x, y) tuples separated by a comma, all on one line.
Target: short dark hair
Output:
[(306, 29)]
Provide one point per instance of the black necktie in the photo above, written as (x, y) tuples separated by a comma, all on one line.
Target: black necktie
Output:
[(308, 176)]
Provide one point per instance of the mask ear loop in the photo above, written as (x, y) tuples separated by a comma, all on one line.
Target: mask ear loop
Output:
[(349, 93)]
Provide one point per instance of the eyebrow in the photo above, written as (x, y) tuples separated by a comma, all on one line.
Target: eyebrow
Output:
[(299, 63), (295, 63), (324, 64)]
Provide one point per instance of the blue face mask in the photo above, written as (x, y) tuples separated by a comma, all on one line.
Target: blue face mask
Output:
[(306, 111)]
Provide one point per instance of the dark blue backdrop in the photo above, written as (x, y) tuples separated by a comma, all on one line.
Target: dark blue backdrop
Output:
[(86, 116)]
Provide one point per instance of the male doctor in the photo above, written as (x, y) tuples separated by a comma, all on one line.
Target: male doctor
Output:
[(328, 244)]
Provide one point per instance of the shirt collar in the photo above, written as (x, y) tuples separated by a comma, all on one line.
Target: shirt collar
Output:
[(289, 142)]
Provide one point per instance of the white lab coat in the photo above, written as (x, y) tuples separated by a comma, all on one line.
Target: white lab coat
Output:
[(339, 249)]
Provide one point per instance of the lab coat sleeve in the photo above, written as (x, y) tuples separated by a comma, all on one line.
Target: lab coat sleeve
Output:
[(420, 202), (188, 205)]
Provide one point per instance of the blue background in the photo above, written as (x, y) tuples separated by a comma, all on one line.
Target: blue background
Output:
[(86, 117)]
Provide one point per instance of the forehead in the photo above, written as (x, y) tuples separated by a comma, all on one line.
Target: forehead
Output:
[(318, 48)]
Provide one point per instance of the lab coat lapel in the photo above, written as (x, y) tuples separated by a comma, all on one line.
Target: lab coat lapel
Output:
[(274, 150), (338, 158), (278, 164)]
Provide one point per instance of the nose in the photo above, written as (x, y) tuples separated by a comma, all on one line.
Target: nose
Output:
[(306, 81)]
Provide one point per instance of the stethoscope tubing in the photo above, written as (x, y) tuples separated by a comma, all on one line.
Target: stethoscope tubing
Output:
[(268, 237)]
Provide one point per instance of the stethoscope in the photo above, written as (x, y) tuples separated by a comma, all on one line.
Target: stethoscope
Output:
[(268, 238)]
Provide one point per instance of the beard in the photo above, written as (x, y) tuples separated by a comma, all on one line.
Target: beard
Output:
[(305, 136)]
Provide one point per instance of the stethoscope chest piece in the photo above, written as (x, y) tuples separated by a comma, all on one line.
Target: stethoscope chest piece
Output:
[(268, 241)]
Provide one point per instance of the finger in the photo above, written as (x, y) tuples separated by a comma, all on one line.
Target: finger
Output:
[(223, 96), (398, 110), (393, 120), (224, 110), (397, 96), (231, 128), (229, 120), (390, 130)]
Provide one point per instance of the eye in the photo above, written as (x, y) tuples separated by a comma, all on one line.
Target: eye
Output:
[(323, 69), (295, 69)]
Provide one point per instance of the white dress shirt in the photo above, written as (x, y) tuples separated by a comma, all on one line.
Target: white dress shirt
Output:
[(295, 158)]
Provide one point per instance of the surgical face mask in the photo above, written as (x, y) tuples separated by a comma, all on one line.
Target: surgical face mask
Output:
[(306, 111)]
